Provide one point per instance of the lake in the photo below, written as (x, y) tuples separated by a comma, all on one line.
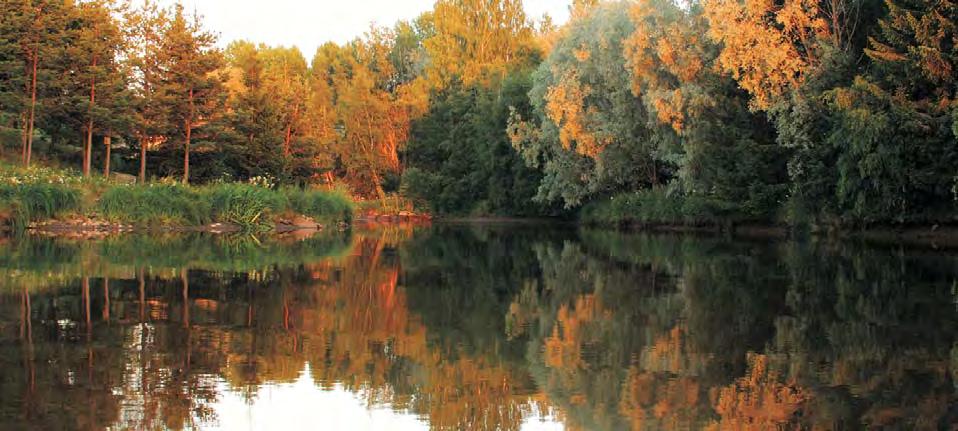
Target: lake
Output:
[(473, 327)]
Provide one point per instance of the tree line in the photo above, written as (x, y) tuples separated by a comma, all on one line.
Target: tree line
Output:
[(824, 111)]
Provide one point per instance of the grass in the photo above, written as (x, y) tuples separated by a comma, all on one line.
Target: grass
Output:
[(154, 204), (39, 194), (659, 207), (245, 205), (251, 207), (325, 207), (34, 194)]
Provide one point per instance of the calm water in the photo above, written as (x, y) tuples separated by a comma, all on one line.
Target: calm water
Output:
[(475, 327)]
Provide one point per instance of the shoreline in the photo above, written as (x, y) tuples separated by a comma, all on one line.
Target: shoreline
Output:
[(935, 237)]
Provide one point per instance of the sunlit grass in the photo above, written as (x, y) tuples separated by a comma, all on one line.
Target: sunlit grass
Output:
[(39, 194)]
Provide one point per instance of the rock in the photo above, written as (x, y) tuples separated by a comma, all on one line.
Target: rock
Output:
[(303, 222), (123, 178)]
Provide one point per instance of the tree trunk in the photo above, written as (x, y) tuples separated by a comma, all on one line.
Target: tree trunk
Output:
[(108, 143), (106, 299), (85, 285), (143, 142), (189, 132), (287, 142), (88, 148), (28, 151), (141, 283), (23, 137), (185, 280)]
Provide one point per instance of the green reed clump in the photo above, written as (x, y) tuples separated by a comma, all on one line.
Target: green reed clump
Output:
[(330, 206), (245, 205), (155, 204), (25, 203)]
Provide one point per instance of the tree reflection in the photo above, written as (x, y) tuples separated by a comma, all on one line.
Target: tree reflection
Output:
[(482, 327)]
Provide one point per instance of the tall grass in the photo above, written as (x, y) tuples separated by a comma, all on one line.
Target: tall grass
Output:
[(251, 207), (323, 206), (37, 194), (25, 203), (155, 204), (246, 205)]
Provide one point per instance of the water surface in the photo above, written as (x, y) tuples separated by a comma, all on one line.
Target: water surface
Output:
[(475, 327)]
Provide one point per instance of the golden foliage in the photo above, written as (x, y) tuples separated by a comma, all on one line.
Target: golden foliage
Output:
[(768, 47), (475, 40), (563, 348), (663, 53), (759, 400), (566, 107)]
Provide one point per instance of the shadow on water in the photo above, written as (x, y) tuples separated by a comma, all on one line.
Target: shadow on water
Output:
[(476, 327)]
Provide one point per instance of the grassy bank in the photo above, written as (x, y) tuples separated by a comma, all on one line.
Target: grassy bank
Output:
[(41, 194)]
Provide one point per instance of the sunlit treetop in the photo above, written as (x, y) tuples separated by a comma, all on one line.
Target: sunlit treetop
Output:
[(768, 46)]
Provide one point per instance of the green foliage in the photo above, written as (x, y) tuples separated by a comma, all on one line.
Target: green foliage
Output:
[(589, 62), (874, 144), (660, 206), (460, 160)]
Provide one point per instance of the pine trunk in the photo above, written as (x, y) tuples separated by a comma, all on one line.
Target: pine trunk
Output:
[(189, 132), (28, 147), (143, 142), (88, 147)]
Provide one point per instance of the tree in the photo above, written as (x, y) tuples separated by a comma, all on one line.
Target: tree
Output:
[(32, 40), (771, 47), (191, 66), (700, 119), (587, 132), (151, 97), (475, 40), (459, 158), (892, 126), (97, 47)]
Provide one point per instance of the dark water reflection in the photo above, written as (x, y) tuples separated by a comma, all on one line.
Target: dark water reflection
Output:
[(475, 327)]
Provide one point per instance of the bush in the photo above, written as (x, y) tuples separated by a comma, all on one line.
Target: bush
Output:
[(659, 207)]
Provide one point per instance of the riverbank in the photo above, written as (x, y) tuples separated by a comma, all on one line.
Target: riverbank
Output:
[(59, 201), (657, 211)]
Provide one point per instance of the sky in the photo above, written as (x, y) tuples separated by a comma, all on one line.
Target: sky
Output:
[(308, 24), (304, 405)]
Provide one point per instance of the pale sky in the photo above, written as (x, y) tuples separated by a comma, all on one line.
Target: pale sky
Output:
[(308, 24)]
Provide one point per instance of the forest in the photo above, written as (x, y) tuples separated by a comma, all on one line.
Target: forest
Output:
[(793, 112)]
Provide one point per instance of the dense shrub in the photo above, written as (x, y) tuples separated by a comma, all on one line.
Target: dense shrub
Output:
[(660, 207)]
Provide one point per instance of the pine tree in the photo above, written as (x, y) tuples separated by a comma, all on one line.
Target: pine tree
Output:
[(100, 77), (32, 37), (191, 63)]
